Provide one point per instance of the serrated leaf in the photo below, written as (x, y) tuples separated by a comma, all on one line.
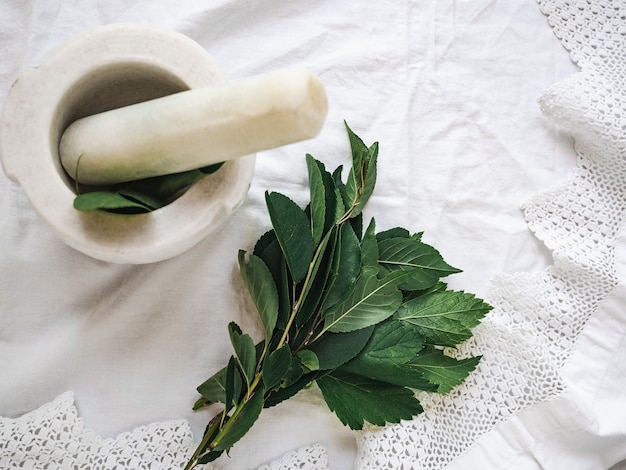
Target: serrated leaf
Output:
[(260, 283), (268, 249), (383, 358), (369, 246), (443, 370), (356, 399), (334, 349), (372, 301), (414, 294), (276, 366), (422, 264), (346, 266), (395, 232), (293, 232), (240, 424), (390, 343), (245, 351), (396, 374), (444, 318)]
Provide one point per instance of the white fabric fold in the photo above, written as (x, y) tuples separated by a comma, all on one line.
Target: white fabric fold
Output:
[(449, 90)]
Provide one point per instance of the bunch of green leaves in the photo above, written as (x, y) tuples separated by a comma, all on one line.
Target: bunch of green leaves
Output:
[(140, 196), (362, 314)]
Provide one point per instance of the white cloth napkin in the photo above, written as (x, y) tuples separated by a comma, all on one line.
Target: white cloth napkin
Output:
[(449, 90)]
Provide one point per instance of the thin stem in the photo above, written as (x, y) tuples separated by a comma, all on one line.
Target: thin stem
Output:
[(198, 454), (292, 317)]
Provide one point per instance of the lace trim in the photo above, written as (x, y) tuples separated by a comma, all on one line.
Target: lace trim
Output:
[(54, 437)]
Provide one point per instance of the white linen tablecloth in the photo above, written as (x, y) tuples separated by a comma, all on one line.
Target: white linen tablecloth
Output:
[(450, 90)]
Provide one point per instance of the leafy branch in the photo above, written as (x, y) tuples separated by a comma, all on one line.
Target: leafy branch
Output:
[(363, 314)]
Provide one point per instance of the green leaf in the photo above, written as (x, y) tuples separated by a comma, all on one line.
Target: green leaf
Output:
[(214, 388), (383, 358), (294, 373), (268, 249), (313, 289), (356, 399), (210, 169), (141, 198), (443, 370), (339, 184), (284, 297), (414, 294), (143, 195), (396, 374), (293, 232), (308, 359), (422, 264), (200, 403), (390, 343), (166, 187), (234, 383), (239, 424), (340, 208), (358, 311), (357, 225), (396, 232), (279, 395), (369, 246), (334, 349), (245, 351), (334, 201), (362, 177), (260, 284), (318, 199), (107, 200), (346, 266), (276, 366), (444, 318), (372, 301)]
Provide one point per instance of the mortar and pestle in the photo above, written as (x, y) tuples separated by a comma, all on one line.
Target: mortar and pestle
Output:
[(128, 101)]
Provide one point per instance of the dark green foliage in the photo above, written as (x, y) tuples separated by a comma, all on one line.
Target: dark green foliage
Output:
[(363, 314)]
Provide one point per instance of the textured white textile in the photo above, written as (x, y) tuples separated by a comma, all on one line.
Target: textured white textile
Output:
[(53, 436), (449, 89)]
